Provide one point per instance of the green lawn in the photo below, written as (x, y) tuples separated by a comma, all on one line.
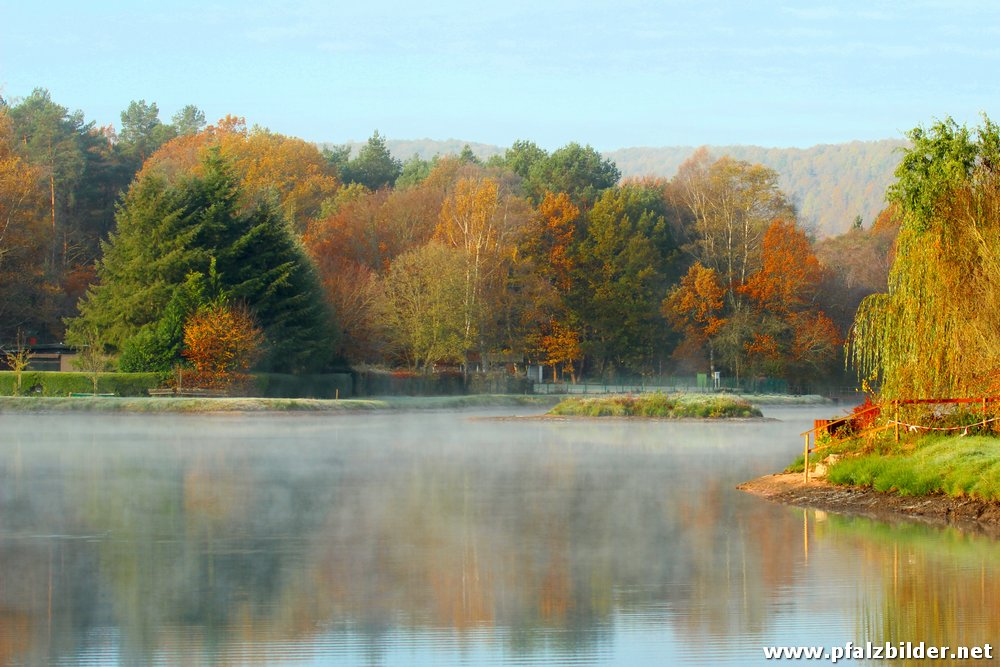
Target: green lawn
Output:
[(950, 464)]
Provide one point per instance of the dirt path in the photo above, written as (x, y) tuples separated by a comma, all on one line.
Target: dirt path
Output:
[(965, 513)]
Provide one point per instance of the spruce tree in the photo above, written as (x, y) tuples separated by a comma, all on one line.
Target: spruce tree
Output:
[(167, 235)]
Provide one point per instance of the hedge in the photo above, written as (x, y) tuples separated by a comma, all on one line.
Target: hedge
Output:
[(57, 383), (282, 385)]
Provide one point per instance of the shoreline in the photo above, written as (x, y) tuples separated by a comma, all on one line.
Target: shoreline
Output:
[(203, 405), (207, 406), (968, 514)]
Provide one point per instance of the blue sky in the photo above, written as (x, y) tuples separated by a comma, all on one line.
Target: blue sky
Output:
[(632, 74)]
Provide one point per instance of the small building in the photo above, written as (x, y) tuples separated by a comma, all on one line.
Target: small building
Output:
[(49, 357)]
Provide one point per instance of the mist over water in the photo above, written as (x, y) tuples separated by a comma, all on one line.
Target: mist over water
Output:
[(447, 538)]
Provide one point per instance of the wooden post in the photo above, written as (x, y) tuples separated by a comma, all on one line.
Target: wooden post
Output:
[(896, 403), (337, 396), (805, 457)]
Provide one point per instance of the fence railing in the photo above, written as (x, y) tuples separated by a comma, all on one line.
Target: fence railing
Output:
[(821, 425)]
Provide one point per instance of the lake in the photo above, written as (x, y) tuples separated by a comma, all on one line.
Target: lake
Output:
[(437, 538)]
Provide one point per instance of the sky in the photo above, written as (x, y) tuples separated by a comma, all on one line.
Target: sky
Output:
[(611, 75)]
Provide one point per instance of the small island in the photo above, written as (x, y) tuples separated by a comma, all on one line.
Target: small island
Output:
[(657, 405)]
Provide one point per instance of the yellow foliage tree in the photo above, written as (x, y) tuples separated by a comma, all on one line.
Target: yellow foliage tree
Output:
[(481, 221)]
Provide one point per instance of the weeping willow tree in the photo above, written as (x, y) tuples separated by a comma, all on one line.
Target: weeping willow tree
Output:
[(936, 333)]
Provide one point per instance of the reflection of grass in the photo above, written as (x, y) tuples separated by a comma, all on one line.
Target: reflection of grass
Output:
[(945, 544), (194, 405), (957, 466), (661, 405)]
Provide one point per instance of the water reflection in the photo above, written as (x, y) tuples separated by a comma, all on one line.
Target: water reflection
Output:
[(938, 586), (439, 539)]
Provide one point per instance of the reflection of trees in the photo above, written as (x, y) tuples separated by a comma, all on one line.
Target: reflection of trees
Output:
[(550, 540), (936, 586), (208, 538)]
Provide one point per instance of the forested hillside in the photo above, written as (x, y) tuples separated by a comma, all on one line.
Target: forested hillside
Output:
[(830, 184)]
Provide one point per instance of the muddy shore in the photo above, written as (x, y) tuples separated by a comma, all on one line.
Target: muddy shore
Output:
[(964, 513)]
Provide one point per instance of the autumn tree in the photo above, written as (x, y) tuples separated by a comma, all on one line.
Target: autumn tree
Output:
[(49, 138), (550, 237), (268, 165), (791, 336), (420, 307), (92, 357), (560, 348), (84, 171), (482, 222), (732, 203), (17, 358), (789, 270), (356, 240), (544, 324), (695, 307), (222, 341), (856, 265)]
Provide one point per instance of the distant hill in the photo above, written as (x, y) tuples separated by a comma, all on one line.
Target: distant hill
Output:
[(830, 184), (425, 149)]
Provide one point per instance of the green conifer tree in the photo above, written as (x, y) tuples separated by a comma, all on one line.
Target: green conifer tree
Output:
[(166, 236)]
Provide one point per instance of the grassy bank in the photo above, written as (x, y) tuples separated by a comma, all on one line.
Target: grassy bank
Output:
[(956, 466), (664, 406), (207, 405)]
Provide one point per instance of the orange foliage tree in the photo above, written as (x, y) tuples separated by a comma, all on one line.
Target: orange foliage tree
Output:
[(790, 336), (789, 272), (550, 238), (560, 348), (221, 342), (695, 308)]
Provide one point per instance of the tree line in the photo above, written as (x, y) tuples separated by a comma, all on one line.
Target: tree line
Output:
[(140, 239)]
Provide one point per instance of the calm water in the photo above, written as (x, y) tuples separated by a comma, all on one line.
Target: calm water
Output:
[(442, 538)]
